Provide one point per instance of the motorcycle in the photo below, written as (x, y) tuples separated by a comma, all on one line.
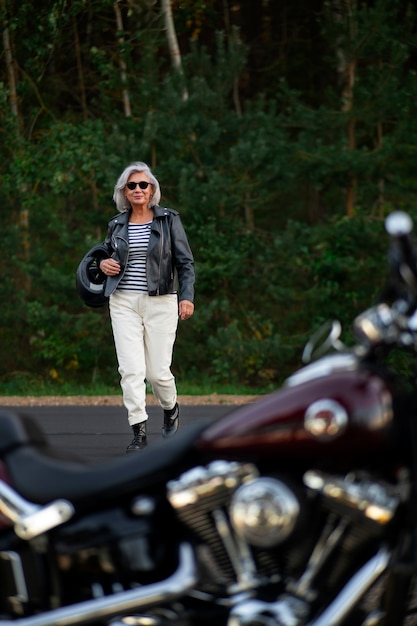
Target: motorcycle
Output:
[(299, 509)]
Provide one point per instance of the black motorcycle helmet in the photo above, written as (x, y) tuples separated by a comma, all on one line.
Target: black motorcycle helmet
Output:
[(90, 280)]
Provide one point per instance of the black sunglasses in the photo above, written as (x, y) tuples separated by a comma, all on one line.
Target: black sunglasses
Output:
[(143, 184)]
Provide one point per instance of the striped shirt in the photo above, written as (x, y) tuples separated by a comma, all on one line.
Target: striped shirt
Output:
[(134, 278)]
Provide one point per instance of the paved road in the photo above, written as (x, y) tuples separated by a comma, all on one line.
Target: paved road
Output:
[(99, 433)]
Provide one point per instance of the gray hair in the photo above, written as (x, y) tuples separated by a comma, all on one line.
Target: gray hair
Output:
[(119, 197)]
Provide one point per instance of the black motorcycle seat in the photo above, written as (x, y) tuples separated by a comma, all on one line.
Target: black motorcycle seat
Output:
[(41, 474)]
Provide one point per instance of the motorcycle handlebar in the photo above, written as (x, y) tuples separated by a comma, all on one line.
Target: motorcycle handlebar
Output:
[(394, 320), (403, 252), (398, 224)]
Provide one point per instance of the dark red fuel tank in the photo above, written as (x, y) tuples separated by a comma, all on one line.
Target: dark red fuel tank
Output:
[(334, 407)]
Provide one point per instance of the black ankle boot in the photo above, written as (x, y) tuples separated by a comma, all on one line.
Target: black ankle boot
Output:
[(171, 422), (139, 437)]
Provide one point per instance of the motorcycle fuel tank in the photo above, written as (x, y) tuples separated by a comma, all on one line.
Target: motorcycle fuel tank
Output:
[(334, 407)]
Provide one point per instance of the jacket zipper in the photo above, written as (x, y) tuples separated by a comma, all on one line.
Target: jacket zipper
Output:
[(160, 257), (120, 276)]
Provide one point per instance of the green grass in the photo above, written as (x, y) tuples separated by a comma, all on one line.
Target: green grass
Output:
[(31, 386)]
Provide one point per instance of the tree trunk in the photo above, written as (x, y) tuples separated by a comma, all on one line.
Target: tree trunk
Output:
[(379, 142), (234, 40), (10, 66), (347, 107), (24, 213), (172, 41), (249, 216), (313, 204), (80, 71), (343, 12), (232, 32), (123, 68), (381, 181)]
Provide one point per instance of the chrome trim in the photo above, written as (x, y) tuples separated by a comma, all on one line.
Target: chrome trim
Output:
[(13, 506), (373, 499), (353, 591), (290, 610), (30, 519), (218, 479), (325, 419), (201, 497), (44, 519), (330, 364), (239, 554), (264, 511), (378, 325), (325, 339), (330, 539), (110, 606), (18, 576)]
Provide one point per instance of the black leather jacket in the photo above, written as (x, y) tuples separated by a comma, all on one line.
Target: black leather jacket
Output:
[(169, 261)]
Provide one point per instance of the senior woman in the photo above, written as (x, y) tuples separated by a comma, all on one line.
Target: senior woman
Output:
[(150, 282)]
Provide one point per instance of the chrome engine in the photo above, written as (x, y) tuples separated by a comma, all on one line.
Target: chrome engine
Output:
[(268, 548)]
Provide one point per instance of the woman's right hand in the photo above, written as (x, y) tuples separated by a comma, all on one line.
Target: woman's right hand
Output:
[(110, 267)]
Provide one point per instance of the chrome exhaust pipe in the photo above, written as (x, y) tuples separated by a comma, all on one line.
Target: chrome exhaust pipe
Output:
[(173, 587)]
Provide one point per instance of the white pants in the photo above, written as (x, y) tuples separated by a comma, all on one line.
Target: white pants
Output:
[(144, 331)]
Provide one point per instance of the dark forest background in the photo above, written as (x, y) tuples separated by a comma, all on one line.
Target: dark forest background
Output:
[(284, 131)]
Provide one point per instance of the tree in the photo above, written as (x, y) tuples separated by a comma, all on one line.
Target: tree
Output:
[(16, 130), (10, 65), (296, 137), (172, 42), (123, 66)]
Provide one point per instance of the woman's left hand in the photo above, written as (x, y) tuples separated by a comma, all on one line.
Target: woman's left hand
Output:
[(186, 309)]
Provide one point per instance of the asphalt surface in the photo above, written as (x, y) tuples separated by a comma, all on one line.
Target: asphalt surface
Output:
[(100, 433)]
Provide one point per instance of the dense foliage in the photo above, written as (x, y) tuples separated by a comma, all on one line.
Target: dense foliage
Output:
[(284, 136)]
